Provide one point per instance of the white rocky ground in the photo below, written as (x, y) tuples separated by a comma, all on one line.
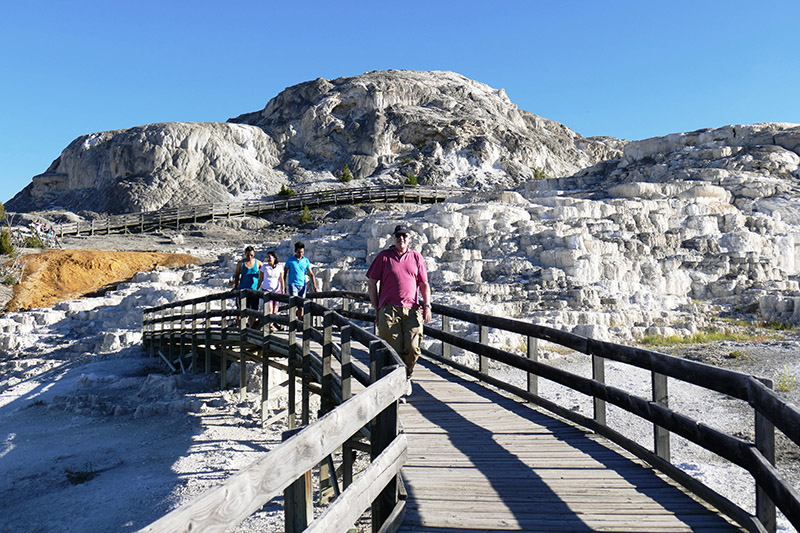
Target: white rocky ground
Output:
[(78, 396)]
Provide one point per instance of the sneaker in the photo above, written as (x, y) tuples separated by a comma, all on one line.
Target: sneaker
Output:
[(408, 387)]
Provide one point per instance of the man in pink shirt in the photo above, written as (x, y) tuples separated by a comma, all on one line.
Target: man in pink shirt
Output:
[(397, 278)]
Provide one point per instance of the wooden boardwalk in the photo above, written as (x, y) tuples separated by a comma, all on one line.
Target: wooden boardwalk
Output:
[(480, 461)]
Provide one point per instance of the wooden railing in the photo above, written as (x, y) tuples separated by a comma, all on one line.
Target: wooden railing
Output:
[(210, 328), (172, 218), (758, 458)]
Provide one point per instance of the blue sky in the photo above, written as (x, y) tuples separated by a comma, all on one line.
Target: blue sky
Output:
[(628, 69)]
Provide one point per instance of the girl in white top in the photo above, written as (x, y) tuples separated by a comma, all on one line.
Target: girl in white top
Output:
[(272, 280)]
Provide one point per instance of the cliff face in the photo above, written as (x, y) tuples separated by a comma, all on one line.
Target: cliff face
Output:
[(439, 126), (154, 166)]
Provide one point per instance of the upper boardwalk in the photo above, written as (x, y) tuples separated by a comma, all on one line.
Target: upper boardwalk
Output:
[(469, 450), (173, 217), (481, 461)]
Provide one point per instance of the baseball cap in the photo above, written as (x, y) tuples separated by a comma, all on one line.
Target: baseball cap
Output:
[(401, 229)]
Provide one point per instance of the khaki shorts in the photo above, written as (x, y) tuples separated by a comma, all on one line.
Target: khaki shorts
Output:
[(401, 327)]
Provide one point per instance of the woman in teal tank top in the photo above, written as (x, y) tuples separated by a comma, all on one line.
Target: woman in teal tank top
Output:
[(246, 277)]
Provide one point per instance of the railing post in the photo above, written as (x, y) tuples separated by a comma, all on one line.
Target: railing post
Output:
[(765, 443), (348, 454), (162, 326), (182, 335), (223, 353), (194, 338), (208, 334), (383, 431), (660, 435), (152, 345), (293, 361), (306, 377), (266, 339), (297, 498), (172, 332), (599, 374), (483, 339), (243, 318), (446, 329), (328, 403), (347, 368), (327, 473), (533, 355)]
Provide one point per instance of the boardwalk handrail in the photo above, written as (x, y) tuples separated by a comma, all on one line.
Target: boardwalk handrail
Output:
[(171, 217), (772, 488), (249, 489), (341, 417), (757, 459)]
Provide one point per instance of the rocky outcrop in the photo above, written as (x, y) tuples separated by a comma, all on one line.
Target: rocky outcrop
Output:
[(659, 241), (154, 166), (758, 165), (439, 126)]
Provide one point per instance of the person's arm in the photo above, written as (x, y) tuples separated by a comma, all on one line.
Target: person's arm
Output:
[(427, 314), (260, 276), (313, 279), (235, 282), (282, 282), (373, 295), (285, 276)]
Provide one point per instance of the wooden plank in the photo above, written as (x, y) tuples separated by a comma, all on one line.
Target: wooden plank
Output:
[(480, 461)]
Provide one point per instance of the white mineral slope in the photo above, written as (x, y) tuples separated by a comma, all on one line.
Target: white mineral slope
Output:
[(78, 396)]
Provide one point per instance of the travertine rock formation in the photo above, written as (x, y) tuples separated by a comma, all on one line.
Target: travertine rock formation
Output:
[(440, 126), (657, 241), (154, 166)]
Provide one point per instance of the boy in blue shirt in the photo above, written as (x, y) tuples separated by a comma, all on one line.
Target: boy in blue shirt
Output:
[(294, 274)]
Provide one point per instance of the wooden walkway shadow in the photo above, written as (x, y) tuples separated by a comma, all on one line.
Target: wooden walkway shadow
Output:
[(480, 461)]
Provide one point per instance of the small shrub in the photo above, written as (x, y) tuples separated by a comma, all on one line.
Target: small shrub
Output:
[(346, 176), (33, 241), (3, 213), (8, 279), (775, 325), (538, 174), (286, 191), (305, 216), (785, 380), (6, 247), (411, 180)]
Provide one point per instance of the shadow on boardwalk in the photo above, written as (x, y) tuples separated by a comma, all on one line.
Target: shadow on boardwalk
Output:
[(479, 460)]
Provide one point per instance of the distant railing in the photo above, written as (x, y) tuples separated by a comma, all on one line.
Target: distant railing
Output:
[(173, 217)]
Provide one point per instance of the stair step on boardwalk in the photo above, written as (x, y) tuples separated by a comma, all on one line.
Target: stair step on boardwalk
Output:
[(480, 461)]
